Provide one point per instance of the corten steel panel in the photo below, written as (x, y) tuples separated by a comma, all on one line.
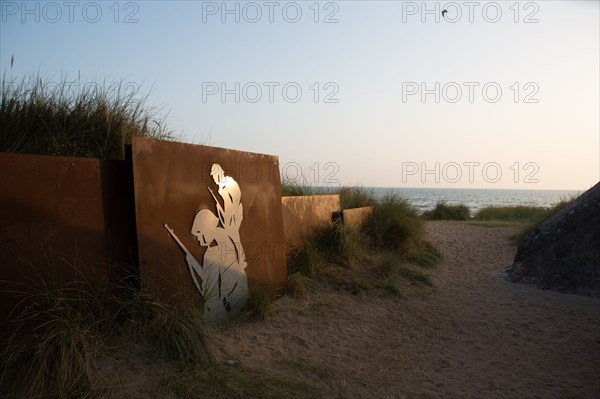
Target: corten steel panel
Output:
[(356, 217), (301, 214), (172, 182), (56, 208)]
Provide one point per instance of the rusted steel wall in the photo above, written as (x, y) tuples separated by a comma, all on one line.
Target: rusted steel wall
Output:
[(356, 217), (60, 210), (166, 209), (301, 214), (173, 185)]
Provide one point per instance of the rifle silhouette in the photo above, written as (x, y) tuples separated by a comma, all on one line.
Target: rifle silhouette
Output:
[(196, 283), (220, 210), (166, 226)]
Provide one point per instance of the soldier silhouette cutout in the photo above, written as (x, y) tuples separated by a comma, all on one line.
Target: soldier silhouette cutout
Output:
[(223, 283)]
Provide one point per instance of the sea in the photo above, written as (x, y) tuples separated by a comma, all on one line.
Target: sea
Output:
[(426, 198)]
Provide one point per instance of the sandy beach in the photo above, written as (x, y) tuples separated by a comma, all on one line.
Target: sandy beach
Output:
[(474, 335)]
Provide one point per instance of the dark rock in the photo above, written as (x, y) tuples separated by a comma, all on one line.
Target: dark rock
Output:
[(563, 254)]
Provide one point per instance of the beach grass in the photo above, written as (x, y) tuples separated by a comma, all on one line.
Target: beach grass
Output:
[(291, 188), (298, 285), (533, 224), (443, 211), (519, 214), (393, 268), (530, 217), (92, 120), (347, 257), (49, 348), (394, 225), (305, 258), (356, 197), (425, 255), (258, 302)]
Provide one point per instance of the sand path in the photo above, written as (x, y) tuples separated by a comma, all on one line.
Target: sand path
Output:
[(475, 336)]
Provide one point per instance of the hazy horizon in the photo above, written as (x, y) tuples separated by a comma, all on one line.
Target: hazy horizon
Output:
[(494, 95)]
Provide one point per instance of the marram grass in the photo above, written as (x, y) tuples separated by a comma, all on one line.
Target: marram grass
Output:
[(49, 349), (38, 116)]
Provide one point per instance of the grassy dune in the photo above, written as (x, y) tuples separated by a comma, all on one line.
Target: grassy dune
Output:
[(387, 254), (89, 120)]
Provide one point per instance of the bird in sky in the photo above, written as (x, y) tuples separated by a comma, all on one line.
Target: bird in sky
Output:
[(444, 12), (12, 61)]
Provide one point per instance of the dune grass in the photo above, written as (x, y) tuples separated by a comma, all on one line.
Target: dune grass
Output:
[(305, 258), (54, 343), (391, 266), (177, 330), (528, 216), (258, 302), (325, 243), (53, 346), (346, 258), (394, 225), (350, 197), (425, 255), (291, 188), (49, 348), (395, 274), (38, 116), (298, 285), (356, 197), (534, 223), (520, 214), (443, 211)]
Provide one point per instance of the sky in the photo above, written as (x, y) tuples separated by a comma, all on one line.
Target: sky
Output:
[(375, 93)]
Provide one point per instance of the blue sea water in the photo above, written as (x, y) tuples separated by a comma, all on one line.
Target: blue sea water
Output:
[(425, 198)]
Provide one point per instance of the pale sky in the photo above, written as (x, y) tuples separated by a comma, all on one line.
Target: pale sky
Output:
[(351, 98)]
